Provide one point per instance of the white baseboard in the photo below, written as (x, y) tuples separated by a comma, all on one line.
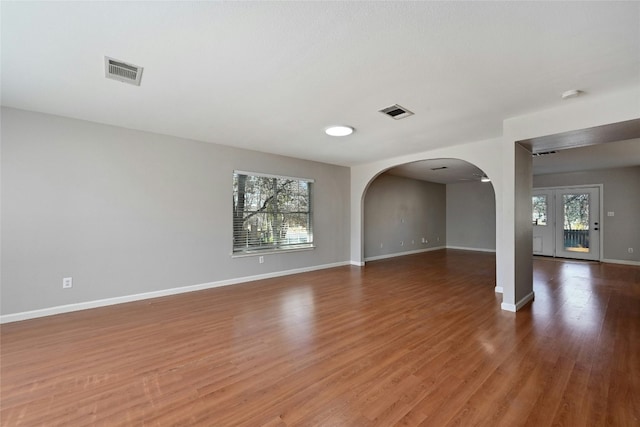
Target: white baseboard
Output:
[(463, 248), (499, 290), (357, 263), (508, 307), (25, 315), (517, 306), (621, 261), (397, 254)]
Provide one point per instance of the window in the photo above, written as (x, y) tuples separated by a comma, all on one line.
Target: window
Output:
[(271, 212), (539, 210)]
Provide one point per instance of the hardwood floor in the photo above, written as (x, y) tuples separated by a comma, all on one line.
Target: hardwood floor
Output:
[(417, 340)]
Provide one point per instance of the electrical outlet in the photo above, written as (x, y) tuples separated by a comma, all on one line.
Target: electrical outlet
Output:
[(67, 282), (630, 250), (423, 240), (261, 259), (381, 245), (401, 243), (413, 242), (611, 213)]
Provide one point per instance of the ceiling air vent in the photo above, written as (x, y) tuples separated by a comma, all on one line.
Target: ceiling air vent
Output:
[(544, 153), (396, 112), (122, 71)]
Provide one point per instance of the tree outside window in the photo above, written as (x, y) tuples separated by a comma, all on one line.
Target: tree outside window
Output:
[(271, 213), (576, 211), (539, 210)]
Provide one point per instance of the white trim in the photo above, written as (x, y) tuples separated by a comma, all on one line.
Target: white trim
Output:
[(499, 290), (15, 317), (508, 307), (621, 261), (397, 254), (258, 252), (357, 263), (462, 248), (268, 175), (524, 301)]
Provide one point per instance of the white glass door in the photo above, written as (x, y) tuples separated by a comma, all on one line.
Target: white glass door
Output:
[(578, 223), (566, 222)]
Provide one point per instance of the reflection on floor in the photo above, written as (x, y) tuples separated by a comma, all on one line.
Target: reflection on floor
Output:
[(413, 340)]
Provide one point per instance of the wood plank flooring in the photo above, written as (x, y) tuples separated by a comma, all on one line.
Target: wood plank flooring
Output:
[(417, 340)]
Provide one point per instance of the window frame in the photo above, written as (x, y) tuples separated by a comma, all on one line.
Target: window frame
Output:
[(276, 247)]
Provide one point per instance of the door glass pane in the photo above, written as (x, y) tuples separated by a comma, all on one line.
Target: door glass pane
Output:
[(576, 222), (539, 210)]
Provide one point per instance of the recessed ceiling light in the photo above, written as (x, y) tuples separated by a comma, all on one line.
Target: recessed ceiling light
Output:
[(571, 93), (483, 177), (339, 130)]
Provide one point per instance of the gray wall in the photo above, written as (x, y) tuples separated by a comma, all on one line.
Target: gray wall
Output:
[(126, 212), (404, 210), (621, 195), (523, 227), (471, 216)]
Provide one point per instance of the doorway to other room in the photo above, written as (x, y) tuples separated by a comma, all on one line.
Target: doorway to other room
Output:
[(566, 222)]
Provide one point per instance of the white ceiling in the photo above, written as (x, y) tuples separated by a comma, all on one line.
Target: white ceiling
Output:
[(617, 154), (270, 76), (456, 171)]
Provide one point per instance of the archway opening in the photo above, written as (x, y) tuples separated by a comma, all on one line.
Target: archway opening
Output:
[(428, 205)]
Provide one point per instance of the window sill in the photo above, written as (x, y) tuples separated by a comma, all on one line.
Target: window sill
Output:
[(259, 252)]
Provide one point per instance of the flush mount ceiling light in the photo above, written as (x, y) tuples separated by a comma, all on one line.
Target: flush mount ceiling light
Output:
[(571, 93), (339, 130)]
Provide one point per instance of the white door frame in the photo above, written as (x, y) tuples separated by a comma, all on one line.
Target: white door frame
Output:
[(600, 209)]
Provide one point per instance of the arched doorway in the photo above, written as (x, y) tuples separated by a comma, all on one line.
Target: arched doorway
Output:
[(428, 205), (495, 157)]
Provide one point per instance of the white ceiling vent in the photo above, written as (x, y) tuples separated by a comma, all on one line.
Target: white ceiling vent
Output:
[(396, 112), (122, 71)]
